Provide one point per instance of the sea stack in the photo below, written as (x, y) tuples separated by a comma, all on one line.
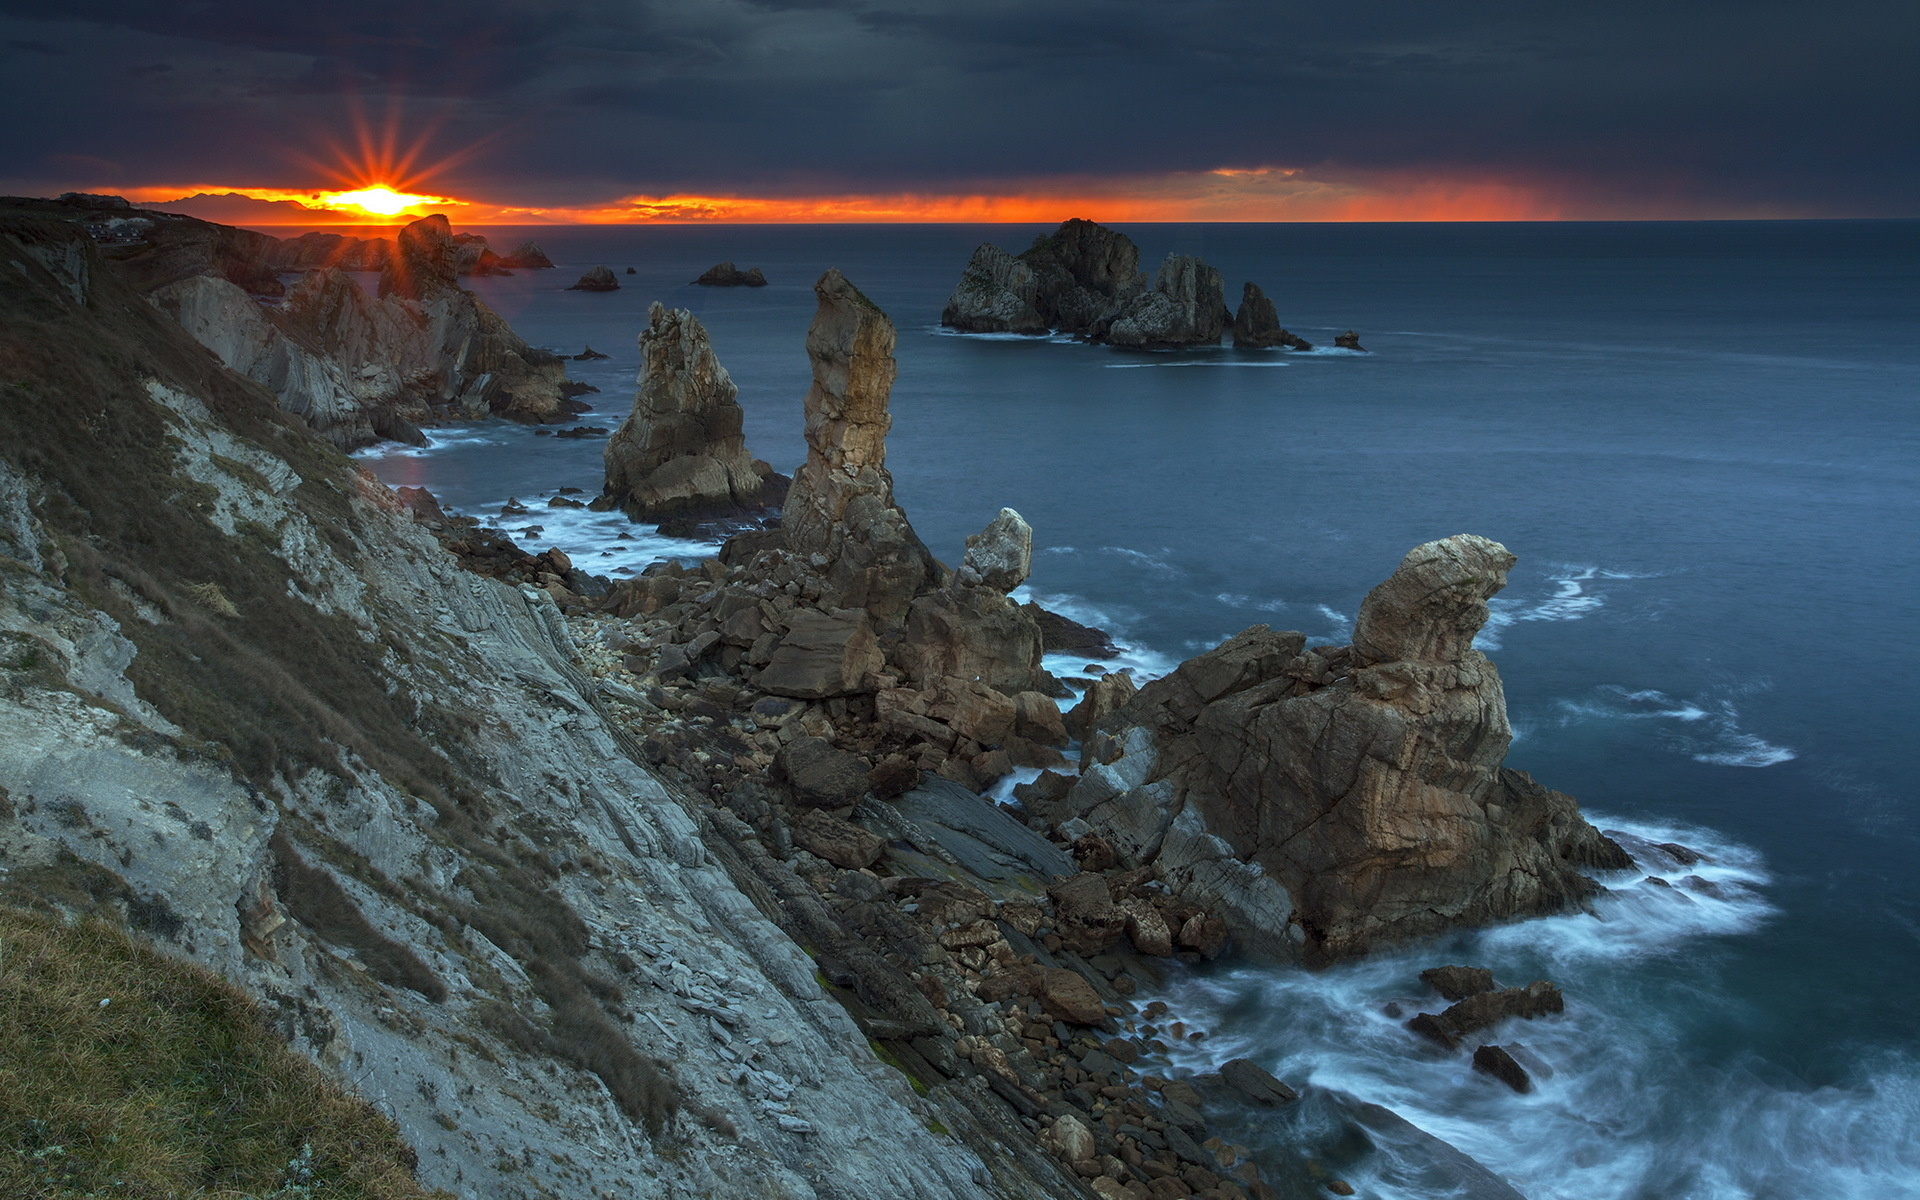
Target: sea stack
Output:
[(1329, 800), (1185, 307), (1256, 326), (600, 279), (681, 451), (841, 504), (727, 275)]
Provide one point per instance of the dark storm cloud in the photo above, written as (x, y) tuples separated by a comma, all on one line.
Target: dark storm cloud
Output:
[(1748, 102)]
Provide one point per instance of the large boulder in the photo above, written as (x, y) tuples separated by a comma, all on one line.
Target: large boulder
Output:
[(681, 451), (1256, 325), (1366, 781), (1185, 307), (995, 295), (1001, 555), (840, 509)]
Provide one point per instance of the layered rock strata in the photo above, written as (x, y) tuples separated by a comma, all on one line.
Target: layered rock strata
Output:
[(1328, 800), (1256, 324), (360, 369), (682, 450)]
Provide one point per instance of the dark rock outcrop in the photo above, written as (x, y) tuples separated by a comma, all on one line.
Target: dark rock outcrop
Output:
[(681, 451), (1349, 341), (727, 275), (527, 256), (1457, 983), (1071, 280), (599, 279), (1483, 1010), (1499, 1063), (1256, 326), (1185, 307), (1341, 798), (996, 294)]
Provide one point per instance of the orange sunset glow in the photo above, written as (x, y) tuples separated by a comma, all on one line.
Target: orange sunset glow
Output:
[(1228, 194)]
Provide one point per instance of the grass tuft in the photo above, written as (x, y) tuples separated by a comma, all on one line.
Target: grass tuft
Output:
[(124, 1073)]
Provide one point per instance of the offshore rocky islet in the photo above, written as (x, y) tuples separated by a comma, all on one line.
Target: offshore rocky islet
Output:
[(838, 632)]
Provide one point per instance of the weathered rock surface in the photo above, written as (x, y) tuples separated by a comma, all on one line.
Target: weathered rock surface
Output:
[(1499, 1063), (1256, 325), (598, 279), (682, 451), (527, 256), (840, 505), (1349, 341), (727, 275), (996, 294), (1001, 555), (1457, 983), (1366, 782), (360, 369), (1185, 307), (1483, 1010)]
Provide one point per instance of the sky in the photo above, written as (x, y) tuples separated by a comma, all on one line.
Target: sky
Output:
[(565, 110)]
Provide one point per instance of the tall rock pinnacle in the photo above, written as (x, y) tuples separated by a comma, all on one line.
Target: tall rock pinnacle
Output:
[(840, 506)]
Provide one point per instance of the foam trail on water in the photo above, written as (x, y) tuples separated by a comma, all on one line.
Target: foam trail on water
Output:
[(438, 438), (1140, 661), (1575, 596), (1624, 1106), (1706, 729), (1130, 366)]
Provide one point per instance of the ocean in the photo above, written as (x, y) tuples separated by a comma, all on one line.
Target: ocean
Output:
[(1700, 440)]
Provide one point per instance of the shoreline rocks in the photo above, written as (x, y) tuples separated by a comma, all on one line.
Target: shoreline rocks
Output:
[(1256, 325)]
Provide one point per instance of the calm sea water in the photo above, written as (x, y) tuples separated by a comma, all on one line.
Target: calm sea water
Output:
[(1700, 439)]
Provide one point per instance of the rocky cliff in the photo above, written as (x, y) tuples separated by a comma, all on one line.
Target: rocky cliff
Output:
[(681, 451), (1326, 800), (1073, 280), (249, 707), (1184, 307), (359, 369), (1256, 323)]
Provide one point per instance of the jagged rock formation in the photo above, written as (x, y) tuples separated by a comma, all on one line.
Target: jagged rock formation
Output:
[(1337, 799), (727, 275), (996, 294), (599, 279), (360, 369), (1256, 325), (1185, 307), (251, 709), (1071, 280), (1349, 341), (681, 451), (527, 256)]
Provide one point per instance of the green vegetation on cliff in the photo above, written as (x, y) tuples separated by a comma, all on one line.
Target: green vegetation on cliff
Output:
[(125, 1073)]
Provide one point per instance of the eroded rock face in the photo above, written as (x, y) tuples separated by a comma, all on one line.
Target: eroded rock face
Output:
[(1083, 272), (1366, 781), (1185, 307), (996, 294), (681, 451), (727, 275), (599, 279), (424, 261), (840, 506), (1256, 325)]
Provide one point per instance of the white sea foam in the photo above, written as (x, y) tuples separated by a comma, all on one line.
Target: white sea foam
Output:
[(1139, 661), (944, 331), (1623, 1107), (1705, 728), (438, 438), (1193, 362), (600, 543), (1576, 595)]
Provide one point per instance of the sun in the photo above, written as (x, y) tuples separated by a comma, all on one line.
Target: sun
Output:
[(381, 201)]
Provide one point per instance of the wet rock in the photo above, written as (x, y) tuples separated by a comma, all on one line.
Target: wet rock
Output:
[(1254, 1084), (599, 279), (1349, 341), (681, 451), (1061, 635), (728, 275), (1495, 1061), (1256, 325), (1486, 1009), (1457, 983)]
